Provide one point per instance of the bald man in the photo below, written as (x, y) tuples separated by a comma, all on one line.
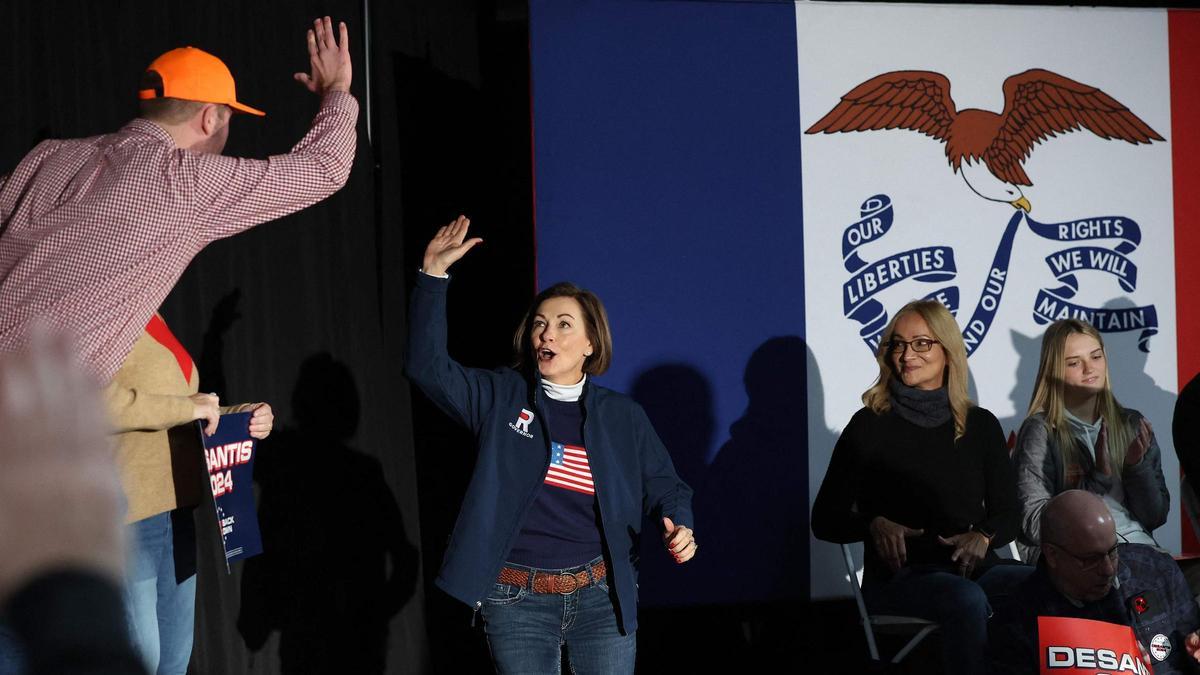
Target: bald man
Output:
[(1086, 572)]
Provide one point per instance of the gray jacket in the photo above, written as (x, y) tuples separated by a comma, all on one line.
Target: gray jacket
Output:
[(1040, 476)]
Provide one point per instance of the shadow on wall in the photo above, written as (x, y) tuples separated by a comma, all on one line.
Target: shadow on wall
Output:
[(828, 572), (752, 499), (1028, 351), (678, 400), (741, 600), (1132, 385), (336, 564)]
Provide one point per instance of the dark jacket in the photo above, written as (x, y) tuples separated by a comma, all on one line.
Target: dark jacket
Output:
[(1142, 571), (630, 467)]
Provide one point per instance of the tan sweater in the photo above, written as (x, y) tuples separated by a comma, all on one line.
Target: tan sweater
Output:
[(159, 454)]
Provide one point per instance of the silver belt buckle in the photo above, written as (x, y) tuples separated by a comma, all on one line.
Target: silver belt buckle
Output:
[(562, 580)]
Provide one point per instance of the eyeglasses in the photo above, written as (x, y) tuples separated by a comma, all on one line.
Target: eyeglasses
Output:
[(895, 346), (1090, 562)]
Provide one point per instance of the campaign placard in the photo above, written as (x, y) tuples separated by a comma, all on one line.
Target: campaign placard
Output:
[(1085, 647), (229, 456)]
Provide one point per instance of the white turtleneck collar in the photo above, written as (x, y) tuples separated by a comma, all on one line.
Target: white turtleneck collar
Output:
[(564, 392)]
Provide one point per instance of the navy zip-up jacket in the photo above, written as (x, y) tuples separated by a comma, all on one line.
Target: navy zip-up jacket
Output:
[(630, 467)]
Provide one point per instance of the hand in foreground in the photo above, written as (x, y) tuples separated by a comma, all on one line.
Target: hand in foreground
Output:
[(1192, 645), (60, 501), (447, 246), (680, 541), (969, 548), (262, 420), (1140, 443), (889, 541), (207, 407), (329, 61)]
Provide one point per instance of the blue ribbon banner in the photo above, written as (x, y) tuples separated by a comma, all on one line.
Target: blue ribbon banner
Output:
[(1065, 263), (936, 264), (993, 288), (1053, 304), (229, 455), (930, 264), (876, 220)]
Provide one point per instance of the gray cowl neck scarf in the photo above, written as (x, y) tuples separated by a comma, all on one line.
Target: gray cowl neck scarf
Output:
[(923, 408)]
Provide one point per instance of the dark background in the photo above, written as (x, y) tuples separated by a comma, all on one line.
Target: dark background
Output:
[(308, 312), (361, 482)]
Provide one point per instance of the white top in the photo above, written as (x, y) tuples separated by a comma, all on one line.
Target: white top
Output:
[(564, 392)]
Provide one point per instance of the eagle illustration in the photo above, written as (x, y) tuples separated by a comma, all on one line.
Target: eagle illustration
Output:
[(1038, 105)]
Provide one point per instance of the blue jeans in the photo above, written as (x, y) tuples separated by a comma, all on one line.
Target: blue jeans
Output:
[(526, 631), (959, 605), (161, 609)]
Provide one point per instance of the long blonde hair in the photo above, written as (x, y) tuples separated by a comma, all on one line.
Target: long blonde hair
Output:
[(945, 329), (1049, 396)]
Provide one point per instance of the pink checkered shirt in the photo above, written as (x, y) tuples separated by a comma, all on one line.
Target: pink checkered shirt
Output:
[(95, 232)]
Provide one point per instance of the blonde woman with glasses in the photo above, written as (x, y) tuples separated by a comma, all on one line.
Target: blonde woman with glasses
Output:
[(922, 476), (1077, 436)]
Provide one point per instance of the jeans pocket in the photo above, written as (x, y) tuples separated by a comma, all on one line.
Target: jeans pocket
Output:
[(602, 584), (504, 594)]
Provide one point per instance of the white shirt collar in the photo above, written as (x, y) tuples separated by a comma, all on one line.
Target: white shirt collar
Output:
[(564, 392)]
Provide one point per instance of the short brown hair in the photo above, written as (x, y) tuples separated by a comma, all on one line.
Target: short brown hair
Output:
[(168, 110), (595, 322)]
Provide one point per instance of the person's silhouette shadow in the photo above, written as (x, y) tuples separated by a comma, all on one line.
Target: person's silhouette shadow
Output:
[(752, 501), (678, 400), (336, 564)]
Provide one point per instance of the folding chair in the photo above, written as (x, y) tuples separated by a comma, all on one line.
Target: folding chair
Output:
[(1013, 553), (885, 624)]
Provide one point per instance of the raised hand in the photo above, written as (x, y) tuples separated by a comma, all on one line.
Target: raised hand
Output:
[(680, 541), (889, 541), (447, 246), (329, 61)]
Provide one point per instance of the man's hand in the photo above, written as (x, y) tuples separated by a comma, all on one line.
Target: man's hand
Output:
[(60, 501), (330, 62), (207, 407), (262, 420)]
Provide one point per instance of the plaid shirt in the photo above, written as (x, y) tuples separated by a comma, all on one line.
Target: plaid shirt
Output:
[(95, 232)]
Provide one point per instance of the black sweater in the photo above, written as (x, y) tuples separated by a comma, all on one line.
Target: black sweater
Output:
[(922, 478)]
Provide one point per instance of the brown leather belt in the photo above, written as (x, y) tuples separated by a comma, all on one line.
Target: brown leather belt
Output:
[(548, 582)]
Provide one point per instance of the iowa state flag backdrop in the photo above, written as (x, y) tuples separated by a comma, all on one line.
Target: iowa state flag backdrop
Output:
[(755, 188)]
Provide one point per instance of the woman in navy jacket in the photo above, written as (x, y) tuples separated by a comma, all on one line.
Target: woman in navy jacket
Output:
[(546, 543)]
